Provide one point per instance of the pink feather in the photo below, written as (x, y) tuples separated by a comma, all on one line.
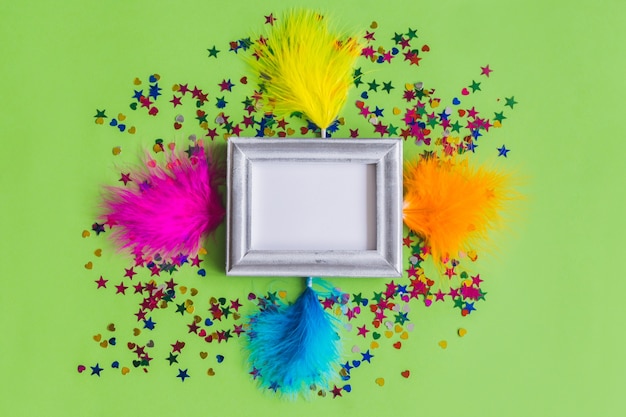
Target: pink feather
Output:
[(167, 210)]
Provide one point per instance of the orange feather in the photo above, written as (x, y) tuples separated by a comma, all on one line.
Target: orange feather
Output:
[(453, 205)]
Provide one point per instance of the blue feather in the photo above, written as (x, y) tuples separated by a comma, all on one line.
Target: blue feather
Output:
[(294, 348)]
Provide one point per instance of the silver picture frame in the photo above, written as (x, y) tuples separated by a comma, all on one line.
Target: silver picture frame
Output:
[(242, 259)]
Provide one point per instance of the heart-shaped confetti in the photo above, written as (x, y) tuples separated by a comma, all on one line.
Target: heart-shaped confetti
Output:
[(104, 344), (465, 91), (81, 369), (116, 150), (443, 344), (193, 292), (461, 332), (164, 297), (98, 252), (153, 111), (380, 381), (113, 341), (89, 265), (125, 370), (136, 363), (219, 358), (132, 130), (130, 345), (115, 365), (208, 322), (86, 233), (150, 343), (97, 337), (136, 331), (133, 106)]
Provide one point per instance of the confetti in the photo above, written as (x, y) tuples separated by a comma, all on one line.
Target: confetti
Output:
[(431, 124)]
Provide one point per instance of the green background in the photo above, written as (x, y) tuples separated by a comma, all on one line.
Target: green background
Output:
[(549, 340)]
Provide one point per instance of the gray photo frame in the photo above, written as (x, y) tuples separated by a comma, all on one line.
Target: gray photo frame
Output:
[(381, 260)]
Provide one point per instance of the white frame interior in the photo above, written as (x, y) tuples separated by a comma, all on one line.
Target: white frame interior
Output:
[(384, 261)]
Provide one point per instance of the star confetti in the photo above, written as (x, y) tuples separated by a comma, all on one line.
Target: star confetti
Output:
[(174, 287)]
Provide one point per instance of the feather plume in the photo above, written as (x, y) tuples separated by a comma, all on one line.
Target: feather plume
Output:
[(305, 66), (296, 347), (167, 209), (451, 204)]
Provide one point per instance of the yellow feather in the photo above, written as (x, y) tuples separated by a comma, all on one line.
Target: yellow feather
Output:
[(305, 66)]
